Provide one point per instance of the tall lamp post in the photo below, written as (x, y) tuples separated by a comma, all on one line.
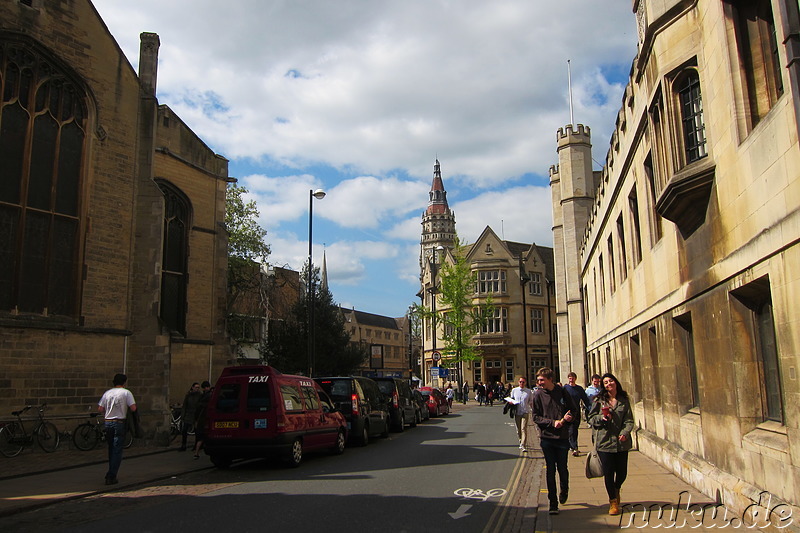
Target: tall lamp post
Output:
[(319, 194), (433, 290), (524, 278)]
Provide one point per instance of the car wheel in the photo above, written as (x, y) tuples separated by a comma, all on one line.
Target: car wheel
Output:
[(364, 439), (413, 424), (402, 425), (295, 455), (338, 448), (385, 432), (221, 461)]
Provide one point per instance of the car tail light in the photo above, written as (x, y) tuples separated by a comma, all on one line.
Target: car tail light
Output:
[(395, 400), (431, 400), (354, 403)]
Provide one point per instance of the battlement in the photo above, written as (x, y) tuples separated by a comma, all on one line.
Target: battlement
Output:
[(574, 133), (553, 170)]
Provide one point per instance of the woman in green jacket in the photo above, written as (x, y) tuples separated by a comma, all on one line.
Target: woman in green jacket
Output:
[(611, 416)]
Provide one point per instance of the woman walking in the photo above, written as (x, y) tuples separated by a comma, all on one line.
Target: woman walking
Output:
[(611, 416)]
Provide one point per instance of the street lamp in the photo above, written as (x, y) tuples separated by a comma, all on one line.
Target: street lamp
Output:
[(319, 194), (433, 290)]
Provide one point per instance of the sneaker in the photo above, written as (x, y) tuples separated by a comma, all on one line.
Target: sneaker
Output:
[(553, 509), (576, 453), (562, 498), (521, 446), (524, 450), (111, 481)]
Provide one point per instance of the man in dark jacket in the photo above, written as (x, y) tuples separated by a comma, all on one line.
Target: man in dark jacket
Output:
[(578, 397), (553, 410), (189, 409)]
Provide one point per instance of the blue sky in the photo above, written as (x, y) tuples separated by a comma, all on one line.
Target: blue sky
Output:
[(359, 98)]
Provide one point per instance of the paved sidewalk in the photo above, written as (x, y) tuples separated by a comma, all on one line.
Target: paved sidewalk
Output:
[(34, 478), (648, 486)]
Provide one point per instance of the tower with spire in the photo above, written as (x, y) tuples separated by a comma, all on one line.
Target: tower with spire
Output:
[(438, 221)]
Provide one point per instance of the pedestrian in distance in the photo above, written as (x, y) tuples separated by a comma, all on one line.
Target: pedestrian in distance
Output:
[(450, 394), (465, 392), (553, 410), (582, 402), (200, 419), (522, 399), (611, 417), (489, 395), (594, 389), (114, 406), (189, 409)]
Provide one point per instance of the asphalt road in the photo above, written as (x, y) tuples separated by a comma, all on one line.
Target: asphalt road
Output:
[(454, 473)]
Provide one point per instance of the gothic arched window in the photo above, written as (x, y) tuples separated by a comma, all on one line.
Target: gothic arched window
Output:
[(43, 124), (175, 257)]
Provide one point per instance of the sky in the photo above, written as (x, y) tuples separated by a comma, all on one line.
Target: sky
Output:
[(360, 97)]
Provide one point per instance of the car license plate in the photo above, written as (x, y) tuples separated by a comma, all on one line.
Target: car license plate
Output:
[(228, 424)]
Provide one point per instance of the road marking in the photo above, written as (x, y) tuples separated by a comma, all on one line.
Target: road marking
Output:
[(478, 494), (461, 513)]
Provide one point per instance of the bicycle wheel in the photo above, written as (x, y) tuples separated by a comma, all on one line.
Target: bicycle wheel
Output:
[(48, 437), (128, 439), (12, 439), (85, 436), (174, 429)]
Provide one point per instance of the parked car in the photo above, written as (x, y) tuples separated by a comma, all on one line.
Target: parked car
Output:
[(363, 405), (401, 403), (422, 405), (437, 403), (256, 411)]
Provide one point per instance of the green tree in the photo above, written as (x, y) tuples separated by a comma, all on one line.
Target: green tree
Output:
[(287, 342), (459, 316), (247, 249)]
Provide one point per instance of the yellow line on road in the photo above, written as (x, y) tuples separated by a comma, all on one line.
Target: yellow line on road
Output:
[(497, 520)]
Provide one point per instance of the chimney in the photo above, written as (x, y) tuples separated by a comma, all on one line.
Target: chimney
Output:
[(148, 61)]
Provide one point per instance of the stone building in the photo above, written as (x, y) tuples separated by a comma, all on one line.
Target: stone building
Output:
[(679, 260), (385, 339), (519, 279), (112, 243)]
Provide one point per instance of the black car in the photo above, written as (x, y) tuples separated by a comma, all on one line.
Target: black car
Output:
[(363, 405), (422, 406), (402, 406)]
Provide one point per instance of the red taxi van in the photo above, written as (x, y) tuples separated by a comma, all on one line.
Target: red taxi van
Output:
[(256, 411)]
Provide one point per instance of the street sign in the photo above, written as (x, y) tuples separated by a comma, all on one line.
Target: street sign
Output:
[(444, 372), (437, 356), (434, 372)]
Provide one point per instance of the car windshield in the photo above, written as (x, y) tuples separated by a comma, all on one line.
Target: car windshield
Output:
[(386, 387), (425, 392), (337, 389)]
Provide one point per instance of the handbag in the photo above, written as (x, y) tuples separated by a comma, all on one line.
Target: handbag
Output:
[(594, 468)]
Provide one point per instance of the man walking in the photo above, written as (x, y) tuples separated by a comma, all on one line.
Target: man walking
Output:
[(114, 406), (578, 397), (189, 409), (522, 399), (553, 410)]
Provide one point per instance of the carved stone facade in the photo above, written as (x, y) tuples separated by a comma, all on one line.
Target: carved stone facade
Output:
[(113, 241), (687, 263)]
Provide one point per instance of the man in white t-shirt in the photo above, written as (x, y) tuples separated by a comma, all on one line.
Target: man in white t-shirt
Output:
[(114, 406), (523, 400)]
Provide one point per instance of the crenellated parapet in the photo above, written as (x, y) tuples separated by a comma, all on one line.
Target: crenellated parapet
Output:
[(574, 134)]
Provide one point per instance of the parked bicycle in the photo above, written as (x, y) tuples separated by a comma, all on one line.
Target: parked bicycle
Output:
[(88, 434), (14, 437), (176, 421)]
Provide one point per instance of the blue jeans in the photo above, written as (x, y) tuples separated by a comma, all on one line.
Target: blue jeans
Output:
[(556, 453), (115, 437)]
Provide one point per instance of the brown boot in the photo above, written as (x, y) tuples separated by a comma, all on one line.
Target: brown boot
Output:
[(613, 507)]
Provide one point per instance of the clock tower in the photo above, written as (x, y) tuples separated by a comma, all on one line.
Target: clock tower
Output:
[(438, 221)]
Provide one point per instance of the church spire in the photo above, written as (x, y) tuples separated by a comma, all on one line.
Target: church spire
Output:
[(437, 197), (438, 221), (324, 272)]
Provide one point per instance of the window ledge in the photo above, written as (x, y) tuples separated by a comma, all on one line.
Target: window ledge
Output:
[(684, 200), (768, 438)]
